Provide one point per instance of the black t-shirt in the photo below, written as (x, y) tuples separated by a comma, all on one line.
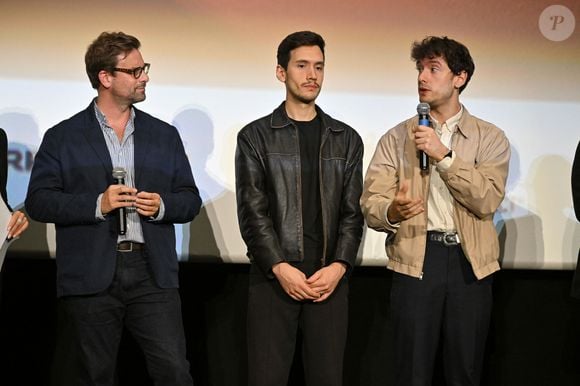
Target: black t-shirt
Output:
[(309, 137)]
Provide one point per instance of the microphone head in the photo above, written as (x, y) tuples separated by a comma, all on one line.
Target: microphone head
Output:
[(423, 109), (119, 173)]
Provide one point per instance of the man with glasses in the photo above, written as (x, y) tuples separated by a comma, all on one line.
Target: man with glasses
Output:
[(114, 180)]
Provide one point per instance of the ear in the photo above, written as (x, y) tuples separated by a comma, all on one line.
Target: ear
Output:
[(281, 73), (459, 80), (105, 78)]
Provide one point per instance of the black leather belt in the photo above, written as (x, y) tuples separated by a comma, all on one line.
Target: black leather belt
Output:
[(446, 238), (130, 246)]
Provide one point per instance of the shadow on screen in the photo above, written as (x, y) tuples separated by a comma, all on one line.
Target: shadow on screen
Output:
[(519, 229), (554, 202), (202, 239)]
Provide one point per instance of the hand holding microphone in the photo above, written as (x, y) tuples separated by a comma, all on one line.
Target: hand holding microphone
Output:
[(118, 196), (426, 140)]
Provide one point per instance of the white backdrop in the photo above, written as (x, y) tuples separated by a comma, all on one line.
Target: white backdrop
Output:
[(535, 221), (527, 85)]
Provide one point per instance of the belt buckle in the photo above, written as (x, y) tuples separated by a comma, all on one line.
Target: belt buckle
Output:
[(124, 249), (450, 238)]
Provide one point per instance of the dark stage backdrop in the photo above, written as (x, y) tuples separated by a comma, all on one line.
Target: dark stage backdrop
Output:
[(534, 339), (212, 72)]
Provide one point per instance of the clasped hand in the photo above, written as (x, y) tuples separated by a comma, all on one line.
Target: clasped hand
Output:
[(317, 287), (119, 196)]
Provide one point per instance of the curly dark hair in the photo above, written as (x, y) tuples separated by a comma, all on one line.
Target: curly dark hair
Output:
[(455, 54), (295, 40), (103, 52)]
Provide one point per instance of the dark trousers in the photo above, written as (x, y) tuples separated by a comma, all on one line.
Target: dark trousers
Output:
[(448, 303), (273, 322), (133, 301)]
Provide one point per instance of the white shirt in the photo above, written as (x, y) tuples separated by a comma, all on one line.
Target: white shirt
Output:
[(440, 202)]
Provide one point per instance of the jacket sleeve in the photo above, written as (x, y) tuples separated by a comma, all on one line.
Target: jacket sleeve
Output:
[(576, 182), (351, 218), (47, 200), (480, 187), (183, 202), (380, 185), (4, 166), (255, 223)]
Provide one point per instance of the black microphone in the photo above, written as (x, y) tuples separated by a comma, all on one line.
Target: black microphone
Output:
[(423, 111), (119, 176)]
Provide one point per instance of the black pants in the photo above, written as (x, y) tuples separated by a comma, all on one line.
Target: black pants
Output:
[(94, 325), (448, 303), (273, 322)]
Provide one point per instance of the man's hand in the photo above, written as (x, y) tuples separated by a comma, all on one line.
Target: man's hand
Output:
[(17, 224), (402, 207), (117, 196), (325, 280), (293, 281), (148, 204), (427, 140)]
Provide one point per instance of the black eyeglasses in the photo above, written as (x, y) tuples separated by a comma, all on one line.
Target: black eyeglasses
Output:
[(136, 72)]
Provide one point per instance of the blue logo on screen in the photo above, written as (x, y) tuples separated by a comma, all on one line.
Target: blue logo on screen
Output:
[(20, 159)]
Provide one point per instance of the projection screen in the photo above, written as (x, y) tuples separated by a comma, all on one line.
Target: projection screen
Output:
[(212, 72)]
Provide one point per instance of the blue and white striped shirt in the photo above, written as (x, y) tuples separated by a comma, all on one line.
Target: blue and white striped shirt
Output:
[(122, 155)]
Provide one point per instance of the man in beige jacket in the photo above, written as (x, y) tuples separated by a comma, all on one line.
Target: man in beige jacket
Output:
[(441, 241)]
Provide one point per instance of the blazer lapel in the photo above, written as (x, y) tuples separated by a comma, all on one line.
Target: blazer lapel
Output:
[(142, 139), (96, 140)]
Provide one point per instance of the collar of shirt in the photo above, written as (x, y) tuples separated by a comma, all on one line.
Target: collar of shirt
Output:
[(102, 119), (450, 124)]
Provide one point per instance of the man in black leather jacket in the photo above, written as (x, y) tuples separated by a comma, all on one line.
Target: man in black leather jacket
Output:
[(298, 185)]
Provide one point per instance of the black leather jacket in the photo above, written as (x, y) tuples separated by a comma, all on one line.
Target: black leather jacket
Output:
[(269, 193)]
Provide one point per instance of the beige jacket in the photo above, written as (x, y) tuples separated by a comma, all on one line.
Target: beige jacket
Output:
[(476, 180)]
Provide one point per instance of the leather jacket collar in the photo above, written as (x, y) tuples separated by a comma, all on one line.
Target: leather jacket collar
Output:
[(280, 119)]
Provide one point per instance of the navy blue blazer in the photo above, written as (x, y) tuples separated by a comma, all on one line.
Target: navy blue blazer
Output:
[(73, 166)]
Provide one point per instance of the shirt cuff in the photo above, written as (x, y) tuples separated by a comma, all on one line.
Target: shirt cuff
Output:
[(161, 212), (98, 213), (445, 163), (390, 224)]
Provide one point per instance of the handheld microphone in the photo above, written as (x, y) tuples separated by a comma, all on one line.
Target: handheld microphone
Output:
[(119, 177), (423, 111)]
